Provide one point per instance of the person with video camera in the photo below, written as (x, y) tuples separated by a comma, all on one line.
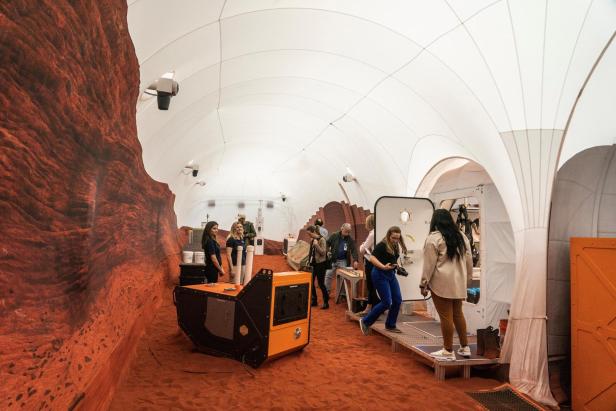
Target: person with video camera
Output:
[(447, 268), (384, 258), (317, 257)]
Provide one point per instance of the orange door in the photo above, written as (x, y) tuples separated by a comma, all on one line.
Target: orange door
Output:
[(593, 323)]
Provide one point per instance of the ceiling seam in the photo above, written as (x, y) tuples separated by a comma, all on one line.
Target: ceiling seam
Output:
[(220, 126), (299, 78), (580, 93), (377, 84), (562, 90), (485, 62), (363, 127), (530, 210), (165, 153), (220, 18), (542, 198), (577, 39), (459, 76)]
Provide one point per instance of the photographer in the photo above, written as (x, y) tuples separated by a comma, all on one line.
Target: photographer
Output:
[(317, 258), (384, 258)]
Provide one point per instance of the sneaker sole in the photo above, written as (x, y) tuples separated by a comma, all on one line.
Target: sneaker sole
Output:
[(443, 358), (367, 332)]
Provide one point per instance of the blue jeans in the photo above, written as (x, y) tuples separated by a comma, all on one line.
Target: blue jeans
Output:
[(387, 286), (329, 274)]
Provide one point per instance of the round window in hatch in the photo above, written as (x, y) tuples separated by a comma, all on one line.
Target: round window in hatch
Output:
[(405, 216)]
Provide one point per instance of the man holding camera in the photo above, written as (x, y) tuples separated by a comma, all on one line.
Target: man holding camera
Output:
[(342, 252), (322, 230)]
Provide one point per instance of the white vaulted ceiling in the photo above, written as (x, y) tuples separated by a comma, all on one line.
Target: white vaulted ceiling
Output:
[(283, 96)]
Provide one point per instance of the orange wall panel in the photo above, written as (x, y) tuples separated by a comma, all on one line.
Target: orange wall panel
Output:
[(593, 323)]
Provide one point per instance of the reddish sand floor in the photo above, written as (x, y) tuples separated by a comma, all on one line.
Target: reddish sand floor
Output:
[(339, 369)]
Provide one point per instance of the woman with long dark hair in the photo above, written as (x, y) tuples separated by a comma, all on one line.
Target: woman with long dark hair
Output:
[(384, 259), (213, 261), (447, 269)]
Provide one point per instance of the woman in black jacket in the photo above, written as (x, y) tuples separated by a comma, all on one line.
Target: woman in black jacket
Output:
[(384, 258), (213, 261)]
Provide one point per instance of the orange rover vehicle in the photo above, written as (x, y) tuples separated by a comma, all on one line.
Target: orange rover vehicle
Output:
[(267, 318)]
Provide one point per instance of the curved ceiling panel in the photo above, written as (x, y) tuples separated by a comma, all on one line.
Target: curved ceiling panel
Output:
[(334, 33), (284, 95), (590, 126)]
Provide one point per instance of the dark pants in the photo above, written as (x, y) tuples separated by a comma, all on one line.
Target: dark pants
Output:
[(387, 285), (211, 273), (318, 271), (373, 298)]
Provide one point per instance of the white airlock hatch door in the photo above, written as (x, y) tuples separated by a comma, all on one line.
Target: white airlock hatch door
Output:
[(413, 216)]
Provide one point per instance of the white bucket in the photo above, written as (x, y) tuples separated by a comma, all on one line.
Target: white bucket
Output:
[(187, 257), (199, 257)]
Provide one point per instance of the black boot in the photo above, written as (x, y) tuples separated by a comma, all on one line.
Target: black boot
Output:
[(325, 305), (314, 304)]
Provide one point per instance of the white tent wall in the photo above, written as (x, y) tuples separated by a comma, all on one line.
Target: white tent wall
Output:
[(498, 253), (387, 90), (583, 205)]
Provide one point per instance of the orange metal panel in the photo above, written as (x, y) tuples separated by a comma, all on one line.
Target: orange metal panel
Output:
[(593, 323), (294, 335), (217, 288)]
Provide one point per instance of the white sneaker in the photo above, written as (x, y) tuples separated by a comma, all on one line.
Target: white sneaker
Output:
[(443, 355), (464, 351)]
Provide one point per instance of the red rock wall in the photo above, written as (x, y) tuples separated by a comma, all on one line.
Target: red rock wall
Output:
[(87, 238), (334, 214)]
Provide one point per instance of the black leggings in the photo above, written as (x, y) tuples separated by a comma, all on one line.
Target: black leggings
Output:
[(318, 271), (373, 298), (211, 273)]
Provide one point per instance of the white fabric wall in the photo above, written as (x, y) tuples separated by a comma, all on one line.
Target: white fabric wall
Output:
[(498, 257), (584, 205)]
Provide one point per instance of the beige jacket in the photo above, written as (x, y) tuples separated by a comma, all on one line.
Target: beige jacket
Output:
[(446, 278), (320, 250)]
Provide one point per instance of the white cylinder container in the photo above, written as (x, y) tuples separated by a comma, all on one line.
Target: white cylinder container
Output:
[(250, 252), (187, 257), (230, 260), (238, 266), (199, 257)]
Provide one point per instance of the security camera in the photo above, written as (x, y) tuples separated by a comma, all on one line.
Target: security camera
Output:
[(193, 167), (348, 177), (164, 88), (283, 197)]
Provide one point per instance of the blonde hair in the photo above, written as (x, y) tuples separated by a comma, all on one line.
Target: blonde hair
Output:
[(389, 244), (370, 222), (232, 230)]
